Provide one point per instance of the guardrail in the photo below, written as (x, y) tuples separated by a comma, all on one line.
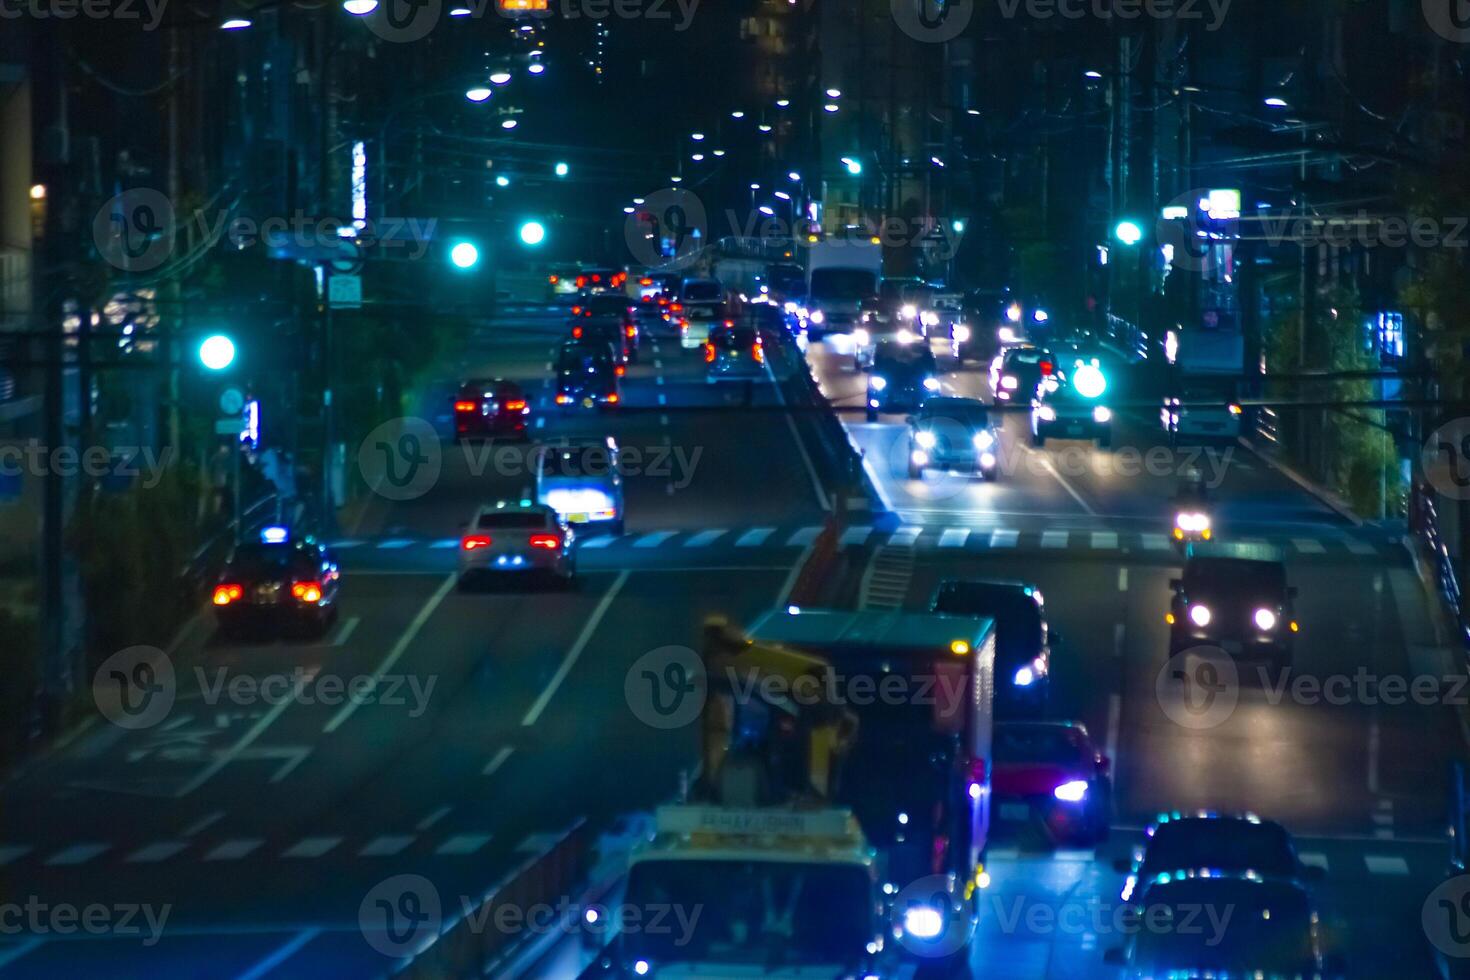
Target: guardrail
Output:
[(1424, 523)]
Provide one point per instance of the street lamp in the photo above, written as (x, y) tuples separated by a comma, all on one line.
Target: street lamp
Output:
[(853, 166), (793, 176), (500, 77), (502, 181), (509, 124), (536, 68), (235, 24), (478, 94)]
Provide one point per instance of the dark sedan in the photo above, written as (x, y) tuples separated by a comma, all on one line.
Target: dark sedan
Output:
[(490, 407), (278, 582)]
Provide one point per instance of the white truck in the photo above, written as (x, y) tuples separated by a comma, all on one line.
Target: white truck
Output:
[(840, 274), (1207, 367)]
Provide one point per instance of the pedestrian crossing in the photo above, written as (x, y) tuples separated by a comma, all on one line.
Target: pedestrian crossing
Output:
[(948, 538)]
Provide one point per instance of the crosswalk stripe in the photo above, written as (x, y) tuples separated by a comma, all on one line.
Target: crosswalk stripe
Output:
[(1105, 540), (1308, 546), (312, 847), (855, 535), (1083, 855), (1313, 859), (1385, 864), (1361, 547), (393, 544), (1004, 538), (704, 538), (954, 537), (446, 543), (385, 846), (10, 852), (76, 854), (1054, 539), (234, 850), (906, 535), (754, 537), (654, 539), (160, 851), (803, 537), (601, 541), (1155, 542), (344, 545), (463, 844)]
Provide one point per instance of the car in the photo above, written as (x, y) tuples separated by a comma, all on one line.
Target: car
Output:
[(606, 330), (1023, 637), (953, 434), (490, 407), (903, 377), (582, 480), (1241, 605), (1049, 772), (595, 280), (505, 539), (653, 286), (612, 308), (1016, 372), (562, 282), (695, 292), (1230, 842), (877, 326), (1200, 922), (1070, 405), (1205, 409), (588, 375), (696, 324), (734, 352), (282, 581)]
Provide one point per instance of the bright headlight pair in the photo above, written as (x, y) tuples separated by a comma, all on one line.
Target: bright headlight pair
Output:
[(1192, 521)]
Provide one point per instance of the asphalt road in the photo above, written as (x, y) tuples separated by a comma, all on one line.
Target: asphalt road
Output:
[(262, 827)]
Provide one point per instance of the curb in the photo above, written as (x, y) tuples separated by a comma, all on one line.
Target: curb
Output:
[(1326, 497)]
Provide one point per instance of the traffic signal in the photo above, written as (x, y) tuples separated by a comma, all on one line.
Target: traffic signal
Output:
[(217, 352), (533, 233), (562, 169), (464, 255), (1128, 232)]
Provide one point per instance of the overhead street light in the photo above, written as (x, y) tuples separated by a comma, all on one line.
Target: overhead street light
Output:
[(478, 94), (853, 166)]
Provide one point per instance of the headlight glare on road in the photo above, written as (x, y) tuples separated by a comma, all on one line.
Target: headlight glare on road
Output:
[(984, 439), (877, 382), (926, 439), (905, 336), (1199, 615), (1265, 619), (931, 384), (1102, 414), (923, 922), (1073, 791)]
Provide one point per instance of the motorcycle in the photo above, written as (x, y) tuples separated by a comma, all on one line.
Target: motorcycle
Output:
[(1191, 526)]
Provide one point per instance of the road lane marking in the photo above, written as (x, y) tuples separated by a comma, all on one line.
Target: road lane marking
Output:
[(1118, 631), (159, 851), (905, 536), (1046, 464), (662, 399), (234, 850), (704, 538), (203, 822), (1314, 859), (1122, 578), (541, 422), (463, 844), (1155, 542), (659, 379), (345, 631), (433, 818), (1308, 546), (76, 854), (1054, 539), (499, 759), (601, 541), (312, 847), (386, 846), (575, 652), (954, 537), (393, 544), (1385, 864), (1105, 540), (811, 469), (754, 537), (445, 543), (855, 535), (1373, 744), (1004, 538), (392, 658), (803, 537), (283, 953), (654, 540), (1360, 547), (1115, 720), (229, 755), (346, 543)]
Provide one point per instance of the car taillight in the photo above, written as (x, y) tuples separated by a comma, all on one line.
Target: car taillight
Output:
[(677, 307), (226, 594), (663, 301), (709, 353), (758, 352), (515, 405), (1046, 369), (581, 281), (472, 541), (553, 279), (577, 332), (645, 281), (596, 277), (548, 541), (563, 399), (465, 406), (729, 323), (632, 331), (620, 370), (307, 591), (613, 398)]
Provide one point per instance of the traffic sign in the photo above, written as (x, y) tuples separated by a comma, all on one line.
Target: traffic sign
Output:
[(344, 292), (231, 401), (229, 427)]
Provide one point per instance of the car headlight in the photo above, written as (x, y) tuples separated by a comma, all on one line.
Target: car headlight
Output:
[(1046, 413), (1102, 413), (908, 311), (1010, 382), (1007, 335), (931, 384), (919, 457), (861, 336), (923, 921), (1192, 521), (1200, 615), (1024, 676), (905, 336), (984, 439), (929, 318), (961, 333), (987, 460), (925, 439), (877, 382), (1073, 791), (1265, 619), (817, 316)]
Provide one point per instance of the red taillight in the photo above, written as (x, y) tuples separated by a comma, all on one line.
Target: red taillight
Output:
[(226, 594), (465, 406), (553, 279), (632, 331), (1046, 368), (645, 281), (620, 370), (613, 398), (563, 399), (677, 307), (307, 591), (515, 406), (758, 352), (548, 541), (709, 353), (663, 301), (729, 323), (577, 332), (576, 311), (472, 541), (596, 277), (581, 281)]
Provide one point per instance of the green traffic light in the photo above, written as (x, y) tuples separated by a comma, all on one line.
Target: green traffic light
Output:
[(1128, 232), (217, 352), (533, 233), (562, 169), (464, 255)]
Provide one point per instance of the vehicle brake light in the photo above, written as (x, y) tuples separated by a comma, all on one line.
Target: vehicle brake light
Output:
[(307, 591), (620, 370), (563, 399), (577, 332), (1046, 369), (515, 406), (548, 541), (472, 541), (596, 277), (226, 594), (677, 307), (613, 398), (729, 323), (553, 279), (581, 281), (709, 353), (645, 281), (576, 311), (758, 351), (663, 301), (632, 331), (465, 406)]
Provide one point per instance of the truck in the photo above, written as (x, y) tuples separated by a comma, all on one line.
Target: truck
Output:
[(839, 822), (840, 274), (1206, 368)]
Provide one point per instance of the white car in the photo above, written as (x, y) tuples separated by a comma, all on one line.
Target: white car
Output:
[(516, 539), (695, 328), (582, 481)]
